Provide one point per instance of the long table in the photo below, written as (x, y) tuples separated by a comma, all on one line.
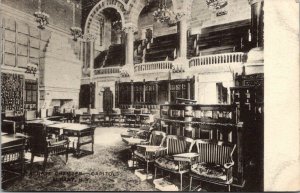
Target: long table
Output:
[(83, 133)]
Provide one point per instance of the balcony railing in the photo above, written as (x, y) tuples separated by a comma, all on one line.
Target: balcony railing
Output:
[(152, 66), (160, 66), (226, 58), (106, 71)]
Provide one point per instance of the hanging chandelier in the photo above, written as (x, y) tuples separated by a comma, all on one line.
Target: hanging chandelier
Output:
[(163, 13), (216, 4), (117, 25), (41, 17)]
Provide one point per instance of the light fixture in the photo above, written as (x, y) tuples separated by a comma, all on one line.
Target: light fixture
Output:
[(217, 6), (162, 14), (76, 32), (165, 15), (41, 17), (117, 25)]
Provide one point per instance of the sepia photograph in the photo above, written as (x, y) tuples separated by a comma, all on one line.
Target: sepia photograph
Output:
[(132, 95)]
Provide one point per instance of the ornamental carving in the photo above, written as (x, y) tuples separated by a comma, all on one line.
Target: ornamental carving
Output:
[(89, 37)]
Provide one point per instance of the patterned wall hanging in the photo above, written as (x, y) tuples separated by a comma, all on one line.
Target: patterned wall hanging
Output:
[(12, 86)]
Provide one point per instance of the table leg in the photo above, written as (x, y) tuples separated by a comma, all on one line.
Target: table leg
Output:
[(23, 160), (78, 147), (93, 144)]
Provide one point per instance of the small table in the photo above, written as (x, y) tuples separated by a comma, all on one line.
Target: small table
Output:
[(152, 148), (84, 134), (186, 157), (133, 141)]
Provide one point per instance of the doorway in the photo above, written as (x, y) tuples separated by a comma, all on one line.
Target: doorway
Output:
[(107, 100)]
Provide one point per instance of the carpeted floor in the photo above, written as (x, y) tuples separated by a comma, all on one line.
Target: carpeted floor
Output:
[(105, 170)]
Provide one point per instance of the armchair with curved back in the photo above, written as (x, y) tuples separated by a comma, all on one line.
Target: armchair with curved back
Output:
[(166, 162), (148, 151), (40, 144), (214, 163)]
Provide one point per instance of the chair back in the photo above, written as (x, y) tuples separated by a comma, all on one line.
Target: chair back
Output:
[(30, 115), (116, 110), (8, 126), (179, 144), (157, 138), (9, 113), (214, 152), (38, 137)]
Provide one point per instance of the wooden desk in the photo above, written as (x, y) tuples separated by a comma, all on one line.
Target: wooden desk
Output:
[(84, 134), (12, 156)]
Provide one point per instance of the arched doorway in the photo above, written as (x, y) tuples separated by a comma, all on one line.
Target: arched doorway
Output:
[(107, 100)]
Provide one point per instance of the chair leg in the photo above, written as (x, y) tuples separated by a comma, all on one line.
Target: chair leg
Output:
[(191, 181), (67, 156), (147, 169), (155, 170), (229, 188), (31, 163), (45, 162), (180, 182)]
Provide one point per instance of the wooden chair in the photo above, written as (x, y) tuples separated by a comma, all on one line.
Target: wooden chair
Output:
[(12, 159), (147, 152), (8, 126), (214, 164), (42, 145), (98, 119), (175, 145), (85, 119)]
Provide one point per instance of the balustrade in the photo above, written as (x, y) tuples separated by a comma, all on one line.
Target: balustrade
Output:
[(108, 70), (226, 58), (149, 66)]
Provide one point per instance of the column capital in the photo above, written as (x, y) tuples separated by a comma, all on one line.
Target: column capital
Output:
[(251, 2), (89, 37), (130, 28), (179, 16)]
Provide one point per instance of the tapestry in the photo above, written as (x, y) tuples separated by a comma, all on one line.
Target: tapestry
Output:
[(12, 92)]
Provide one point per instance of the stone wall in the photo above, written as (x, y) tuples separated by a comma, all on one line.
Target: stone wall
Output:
[(60, 11), (202, 16), (146, 19)]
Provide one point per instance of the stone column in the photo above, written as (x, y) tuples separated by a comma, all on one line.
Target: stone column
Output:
[(129, 30), (255, 59), (182, 29), (257, 22), (188, 88), (181, 63), (144, 91), (132, 93), (156, 92), (91, 38)]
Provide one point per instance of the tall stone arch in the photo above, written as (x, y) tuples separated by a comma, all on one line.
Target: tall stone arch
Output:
[(93, 18), (136, 7)]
